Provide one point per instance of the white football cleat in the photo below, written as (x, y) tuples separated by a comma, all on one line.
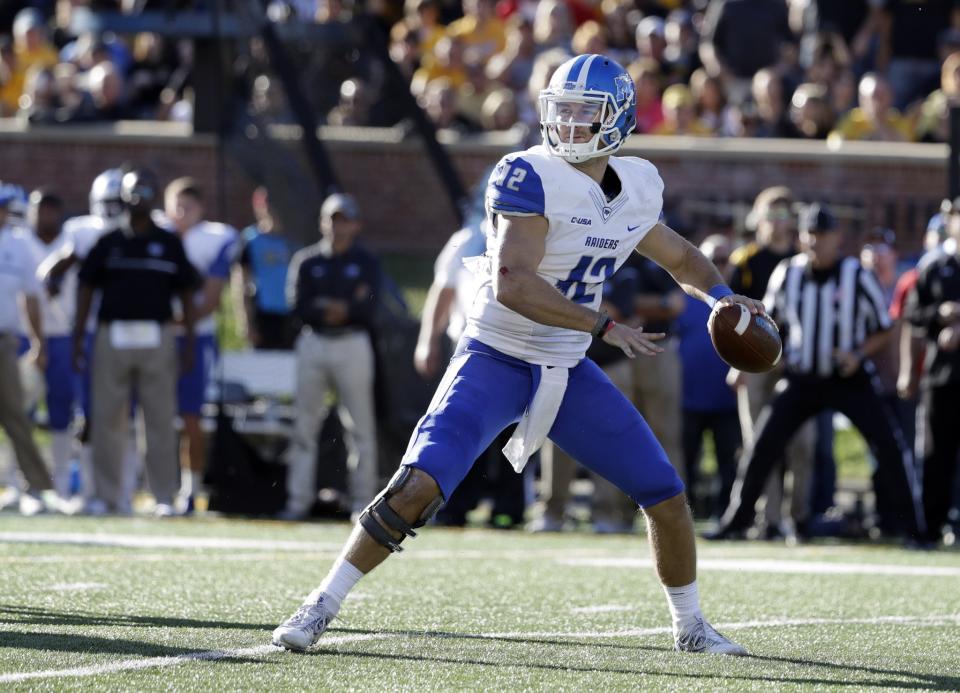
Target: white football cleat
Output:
[(305, 627), (700, 636)]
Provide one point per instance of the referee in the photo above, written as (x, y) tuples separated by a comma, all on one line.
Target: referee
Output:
[(832, 318)]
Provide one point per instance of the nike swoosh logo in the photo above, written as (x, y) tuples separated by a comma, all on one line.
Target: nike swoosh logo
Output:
[(631, 229)]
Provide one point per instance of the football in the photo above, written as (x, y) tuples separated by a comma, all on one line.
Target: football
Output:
[(749, 343)]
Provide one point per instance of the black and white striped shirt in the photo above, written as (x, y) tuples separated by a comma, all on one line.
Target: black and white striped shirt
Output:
[(823, 311)]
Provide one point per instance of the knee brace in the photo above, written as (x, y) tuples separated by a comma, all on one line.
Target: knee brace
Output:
[(389, 517)]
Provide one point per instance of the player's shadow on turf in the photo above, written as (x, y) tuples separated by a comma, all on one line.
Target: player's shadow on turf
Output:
[(921, 680), (69, 642), (47, 617), (502, 638)]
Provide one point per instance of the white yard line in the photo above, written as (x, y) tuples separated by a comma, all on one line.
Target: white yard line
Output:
[(213, 655), (601, 609), (760, 565), (76, 586), (139, 541), (151, 662)]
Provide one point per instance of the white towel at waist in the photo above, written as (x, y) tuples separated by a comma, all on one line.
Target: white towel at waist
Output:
[(537, 420)]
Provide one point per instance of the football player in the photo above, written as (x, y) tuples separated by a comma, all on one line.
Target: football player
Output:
[(210, 247), (58, 273), (565, 216)]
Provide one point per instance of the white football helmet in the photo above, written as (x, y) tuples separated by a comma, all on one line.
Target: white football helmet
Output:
[(105, 200)]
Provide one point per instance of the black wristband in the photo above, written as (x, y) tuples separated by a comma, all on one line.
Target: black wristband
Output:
[(601, 326)]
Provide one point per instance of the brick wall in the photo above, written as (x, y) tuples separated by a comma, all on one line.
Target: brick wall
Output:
[(404, 203)]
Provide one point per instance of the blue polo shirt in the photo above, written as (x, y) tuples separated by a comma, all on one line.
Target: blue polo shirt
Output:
[(704, 372), (267, 255)]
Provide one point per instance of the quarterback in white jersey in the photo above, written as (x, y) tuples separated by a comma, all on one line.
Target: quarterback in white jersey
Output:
[(566, 217)]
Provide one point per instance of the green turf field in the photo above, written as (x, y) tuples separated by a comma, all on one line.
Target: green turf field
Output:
[(189, 605)]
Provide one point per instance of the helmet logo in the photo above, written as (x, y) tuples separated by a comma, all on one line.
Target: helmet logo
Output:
[(625, 89)]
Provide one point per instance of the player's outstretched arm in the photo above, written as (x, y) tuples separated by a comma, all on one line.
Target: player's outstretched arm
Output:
[(691, 269), (522, 243)]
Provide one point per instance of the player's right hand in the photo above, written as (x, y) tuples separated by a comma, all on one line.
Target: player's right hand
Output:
[(633, 340)]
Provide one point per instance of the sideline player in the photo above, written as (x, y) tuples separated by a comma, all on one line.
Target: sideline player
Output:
[(210, 246), (566, 217), (58, 272)]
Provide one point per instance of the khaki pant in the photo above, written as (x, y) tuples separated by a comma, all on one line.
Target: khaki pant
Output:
[(751, 399), (658, 394), (609, 504), (344, 362), (14, 419), (153, 372)]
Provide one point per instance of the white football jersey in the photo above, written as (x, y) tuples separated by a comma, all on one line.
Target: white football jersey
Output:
[(56, 313), (210, 247), (588, 239), (450, 272), (81, 234)]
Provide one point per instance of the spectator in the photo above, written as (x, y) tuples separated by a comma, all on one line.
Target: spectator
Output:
[(499, 110), (708, 403), (679, 114), (810, 112), (843, 93), (934, 122), (333, 288), (620, 39), (422, 17), (260, 276), (39, 102), (481, 31), (210, 247), (740, 37), (447, 63), (11, 79), (767, 88), (45, 220), (440, 101), (908, 46), (650, 40), (646, 76), (712, 110), (680, 54), (875, 118), (934, 309), (30, 42), (552, 26), (138, 270), (18, 279), (589, 38), (773, 219), (513, 66), (826, 372)]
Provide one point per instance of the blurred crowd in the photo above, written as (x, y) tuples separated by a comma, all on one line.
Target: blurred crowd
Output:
[(883, 70), (49, 74), (878, 70), (116, 332)]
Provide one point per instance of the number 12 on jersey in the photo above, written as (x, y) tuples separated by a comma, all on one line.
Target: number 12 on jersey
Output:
[(589, 271)]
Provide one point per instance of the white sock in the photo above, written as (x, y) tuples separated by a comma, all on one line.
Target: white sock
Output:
[(684, 604), (188, 483), (338, 583)]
